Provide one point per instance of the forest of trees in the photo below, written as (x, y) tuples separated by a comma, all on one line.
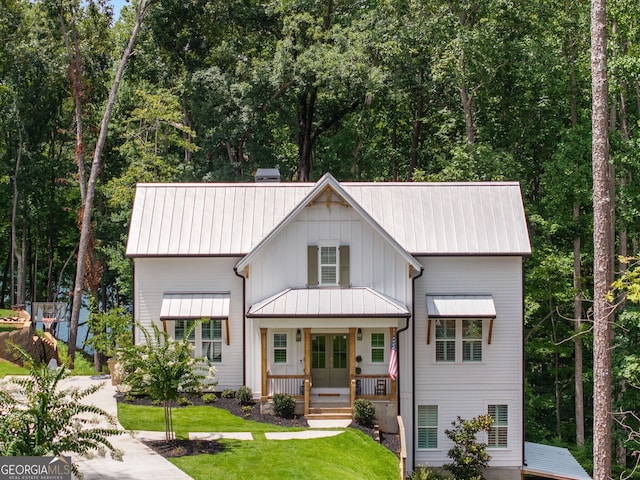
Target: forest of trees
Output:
[(369, 90)]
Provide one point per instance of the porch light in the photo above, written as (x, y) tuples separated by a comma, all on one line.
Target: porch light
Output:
[(359, 334), (298, 335)]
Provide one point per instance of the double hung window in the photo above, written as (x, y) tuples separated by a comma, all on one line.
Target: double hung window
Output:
[(377, 348), (458, 340), (206, 338), (427, 426), (498, 432), (279, 348)]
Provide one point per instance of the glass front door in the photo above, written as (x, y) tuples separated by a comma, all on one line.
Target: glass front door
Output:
[(330, 360)]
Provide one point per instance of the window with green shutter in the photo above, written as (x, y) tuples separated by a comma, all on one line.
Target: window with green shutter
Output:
[(472, 340), (377, 348), (427, 426), (328, 265), (279, 348), (497, 437), (445, 341)]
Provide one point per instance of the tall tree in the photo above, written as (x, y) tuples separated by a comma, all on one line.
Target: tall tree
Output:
[(142, 9), (603, 243)]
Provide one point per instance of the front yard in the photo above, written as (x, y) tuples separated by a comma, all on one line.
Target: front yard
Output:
[(350, 455)]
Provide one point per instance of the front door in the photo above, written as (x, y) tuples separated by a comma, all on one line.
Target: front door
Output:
[(330, 360)]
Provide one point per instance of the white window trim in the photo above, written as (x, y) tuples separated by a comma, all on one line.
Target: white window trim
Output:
[(286, 349), (320, 264), (385, 359), (437, 428), (459, 342), (508, 426), (198, 340)]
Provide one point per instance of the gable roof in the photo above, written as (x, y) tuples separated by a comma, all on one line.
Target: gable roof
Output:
[(329, 186), (231, 219)]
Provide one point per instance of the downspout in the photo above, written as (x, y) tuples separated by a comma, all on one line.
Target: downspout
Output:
[(413, 359), (133, 301), (524, 460), (244, 324)]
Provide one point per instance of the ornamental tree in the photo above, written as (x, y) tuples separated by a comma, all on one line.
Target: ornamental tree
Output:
[(469, 456), (164, 369)]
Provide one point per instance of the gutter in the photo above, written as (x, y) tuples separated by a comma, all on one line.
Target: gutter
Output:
[(413, 361), (244, 325)]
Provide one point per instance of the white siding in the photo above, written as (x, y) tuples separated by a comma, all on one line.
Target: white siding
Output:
[(155, 276), (465, 389)]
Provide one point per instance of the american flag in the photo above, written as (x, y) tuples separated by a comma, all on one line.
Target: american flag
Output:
[(393, 359)]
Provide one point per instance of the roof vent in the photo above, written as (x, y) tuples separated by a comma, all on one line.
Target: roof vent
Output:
[(267, 175)]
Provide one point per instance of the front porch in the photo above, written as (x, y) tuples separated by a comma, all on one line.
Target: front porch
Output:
[(334, 400)]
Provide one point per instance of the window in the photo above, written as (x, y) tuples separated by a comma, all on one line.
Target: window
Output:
[(329, 265), (377, 348), (427, 426), (498, 431), (206, 338), (472, 340), (459, 335), (279, 348), (445, 341)]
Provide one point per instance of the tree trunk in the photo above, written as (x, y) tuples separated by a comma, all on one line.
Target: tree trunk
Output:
[(306, 110), (577, 315), (603, 214), (16, 255), (417, 127), (96, 167), (468, 114)]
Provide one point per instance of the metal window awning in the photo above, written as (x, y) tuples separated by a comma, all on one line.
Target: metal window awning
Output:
[(456, 306), (551, 462), (329, 302), (460, 306), (194, 306)]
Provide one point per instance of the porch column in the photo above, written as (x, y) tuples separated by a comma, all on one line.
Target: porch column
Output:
[(307, 369), (352, 365), (263, 354), (394, 382)]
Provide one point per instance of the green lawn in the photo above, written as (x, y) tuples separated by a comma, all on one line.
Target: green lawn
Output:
[(350, 455), (7, 368)]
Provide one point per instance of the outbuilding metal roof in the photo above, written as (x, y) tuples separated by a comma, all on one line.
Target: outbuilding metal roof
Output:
[(552, 462), (194, 305), (329, 302), (461, 306), (211, 219)]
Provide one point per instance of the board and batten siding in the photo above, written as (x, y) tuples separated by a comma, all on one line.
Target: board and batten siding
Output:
[(373, 261), (466, 389), (156, 276)]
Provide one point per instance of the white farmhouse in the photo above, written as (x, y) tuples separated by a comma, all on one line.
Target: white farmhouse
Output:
[(307, 288)]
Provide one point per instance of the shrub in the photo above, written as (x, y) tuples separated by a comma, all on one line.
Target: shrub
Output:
[(209, 398), (246, 410), (364, 412), (184, 401), (244, 395), (283, 405), (469, 457), (228, 393), (423, 473)]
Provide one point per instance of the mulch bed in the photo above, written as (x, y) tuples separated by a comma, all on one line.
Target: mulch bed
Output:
[(179, 448)]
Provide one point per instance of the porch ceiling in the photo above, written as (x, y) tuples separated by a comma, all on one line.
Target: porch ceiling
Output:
[(329, 302), (194, 305)]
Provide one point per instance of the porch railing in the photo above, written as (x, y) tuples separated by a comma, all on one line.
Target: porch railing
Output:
[(290, 384), (374, 387)]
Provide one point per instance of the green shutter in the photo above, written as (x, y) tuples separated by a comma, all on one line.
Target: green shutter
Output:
[(312, 265), (344, 266)]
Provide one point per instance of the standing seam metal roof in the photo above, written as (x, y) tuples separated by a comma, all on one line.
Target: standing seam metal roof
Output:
[(211, 219)]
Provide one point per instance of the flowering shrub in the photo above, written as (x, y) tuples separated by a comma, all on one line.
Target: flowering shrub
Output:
[(164, 369)]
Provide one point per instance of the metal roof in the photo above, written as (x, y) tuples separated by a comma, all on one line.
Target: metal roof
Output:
[(329, 302), (194, 305), (461, 306), (552, 462), (211, 219)]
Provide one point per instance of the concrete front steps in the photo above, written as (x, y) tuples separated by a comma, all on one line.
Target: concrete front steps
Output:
[(329, 413)]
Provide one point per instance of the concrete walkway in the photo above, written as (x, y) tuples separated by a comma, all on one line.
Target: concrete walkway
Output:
[(139, 462)]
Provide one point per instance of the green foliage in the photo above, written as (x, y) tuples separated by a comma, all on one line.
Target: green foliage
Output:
[(284, 405), (109, 330), (469, 456), (184, 401), (39, 416), (209, 398), (228, 393), (163, 369), (424, 473), (244, 396), (364, 412), (246, 410)]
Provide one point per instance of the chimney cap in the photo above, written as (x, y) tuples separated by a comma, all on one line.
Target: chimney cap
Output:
[(267, 175)]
